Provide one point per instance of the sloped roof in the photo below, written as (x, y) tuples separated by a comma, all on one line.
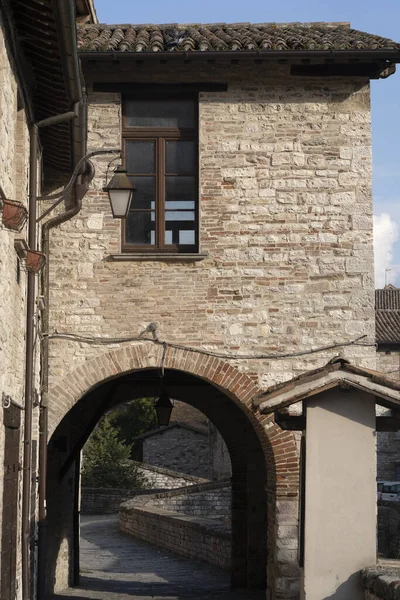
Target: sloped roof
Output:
[(229, 37), (387, 298), (161, 430), (336, 372), (387, 315)]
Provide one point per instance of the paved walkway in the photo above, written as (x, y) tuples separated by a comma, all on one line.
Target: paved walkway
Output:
[(115, 566)]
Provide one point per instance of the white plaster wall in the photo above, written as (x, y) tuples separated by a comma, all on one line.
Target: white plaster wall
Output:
[(340, 492)]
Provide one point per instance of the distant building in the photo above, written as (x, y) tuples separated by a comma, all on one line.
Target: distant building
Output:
[(387, 311)]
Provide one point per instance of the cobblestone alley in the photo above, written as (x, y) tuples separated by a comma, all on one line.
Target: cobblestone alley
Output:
[(115, 566)]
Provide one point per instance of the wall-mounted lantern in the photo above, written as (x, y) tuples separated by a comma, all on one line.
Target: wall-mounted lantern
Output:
[(120, 192), (163, 408), (15, 214), (35, 261)]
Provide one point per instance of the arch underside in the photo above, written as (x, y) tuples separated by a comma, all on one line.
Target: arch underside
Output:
[(223, 394)]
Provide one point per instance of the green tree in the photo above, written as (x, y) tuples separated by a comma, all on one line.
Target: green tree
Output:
[(106, 460), (133, 419)]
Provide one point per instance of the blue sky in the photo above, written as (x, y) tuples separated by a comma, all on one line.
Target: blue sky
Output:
[(379, 17)]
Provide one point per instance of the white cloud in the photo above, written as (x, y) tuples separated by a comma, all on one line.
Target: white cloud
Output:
[(385, 236)]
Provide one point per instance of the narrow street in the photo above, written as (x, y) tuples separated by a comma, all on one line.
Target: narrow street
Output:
[(115, 566)]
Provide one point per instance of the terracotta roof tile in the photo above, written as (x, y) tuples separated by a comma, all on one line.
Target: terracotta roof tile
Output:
[(228, 37), (387, 326), (387, 315)]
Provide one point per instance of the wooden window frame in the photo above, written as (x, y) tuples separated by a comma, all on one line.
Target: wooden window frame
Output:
[(161, 135)]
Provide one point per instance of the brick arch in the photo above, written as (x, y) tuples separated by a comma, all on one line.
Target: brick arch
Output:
[(279, 446)]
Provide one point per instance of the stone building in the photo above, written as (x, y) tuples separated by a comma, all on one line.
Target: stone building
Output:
[(387, 311), (38, 65), (249, 236), (191, 444), (178, 447), (249, 243)]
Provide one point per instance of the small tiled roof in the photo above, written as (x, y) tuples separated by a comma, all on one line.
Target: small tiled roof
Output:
[(387, 315), (338, 371), (229, 37)]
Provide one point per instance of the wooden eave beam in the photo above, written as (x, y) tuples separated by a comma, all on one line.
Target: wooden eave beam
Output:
[(298, 422)]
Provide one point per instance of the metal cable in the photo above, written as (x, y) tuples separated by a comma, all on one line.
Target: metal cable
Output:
[(121, 340)]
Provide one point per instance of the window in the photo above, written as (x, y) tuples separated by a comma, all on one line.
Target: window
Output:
[(160, 143)]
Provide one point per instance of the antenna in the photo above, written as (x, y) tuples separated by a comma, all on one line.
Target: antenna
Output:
[(386, 275)]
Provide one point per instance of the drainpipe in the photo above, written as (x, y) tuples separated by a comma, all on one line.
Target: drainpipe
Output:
[(29, 351)]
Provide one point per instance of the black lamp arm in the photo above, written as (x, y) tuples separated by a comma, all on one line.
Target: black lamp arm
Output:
[(60, 196)]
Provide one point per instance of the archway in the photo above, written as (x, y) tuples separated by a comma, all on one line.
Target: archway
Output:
[(261, 454)]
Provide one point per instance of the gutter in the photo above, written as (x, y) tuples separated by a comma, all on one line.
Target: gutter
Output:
[(64, 11), (30, 348), (284, 55)]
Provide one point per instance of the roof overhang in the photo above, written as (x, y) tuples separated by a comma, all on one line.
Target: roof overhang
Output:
[(42, 38), (340, 374), (86, 12)]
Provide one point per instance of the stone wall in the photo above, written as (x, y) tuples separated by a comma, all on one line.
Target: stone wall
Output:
[(103, 501), (389, 529), (286, 239), (285, 168), (159, 478), (211, 500), (96, 501), (381, 583), (388, 443), (192, 537), (14, 158), (180, 449), (193, 522)]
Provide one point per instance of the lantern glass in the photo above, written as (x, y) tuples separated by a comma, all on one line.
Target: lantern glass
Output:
[(120, 191), (163, 409), (120, 201)]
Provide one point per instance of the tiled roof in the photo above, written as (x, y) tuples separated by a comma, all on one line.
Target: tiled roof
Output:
[(168, 428), (388, 298), (229, 37), (336, 372), (387, 315)]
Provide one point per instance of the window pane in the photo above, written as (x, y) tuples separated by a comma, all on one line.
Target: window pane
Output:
[(179, 226), (180, 157), (140, 228), (160, 113), (186, 237), (180, 189), (179, 215), (145, 192), (140, 157), (171, 205)]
